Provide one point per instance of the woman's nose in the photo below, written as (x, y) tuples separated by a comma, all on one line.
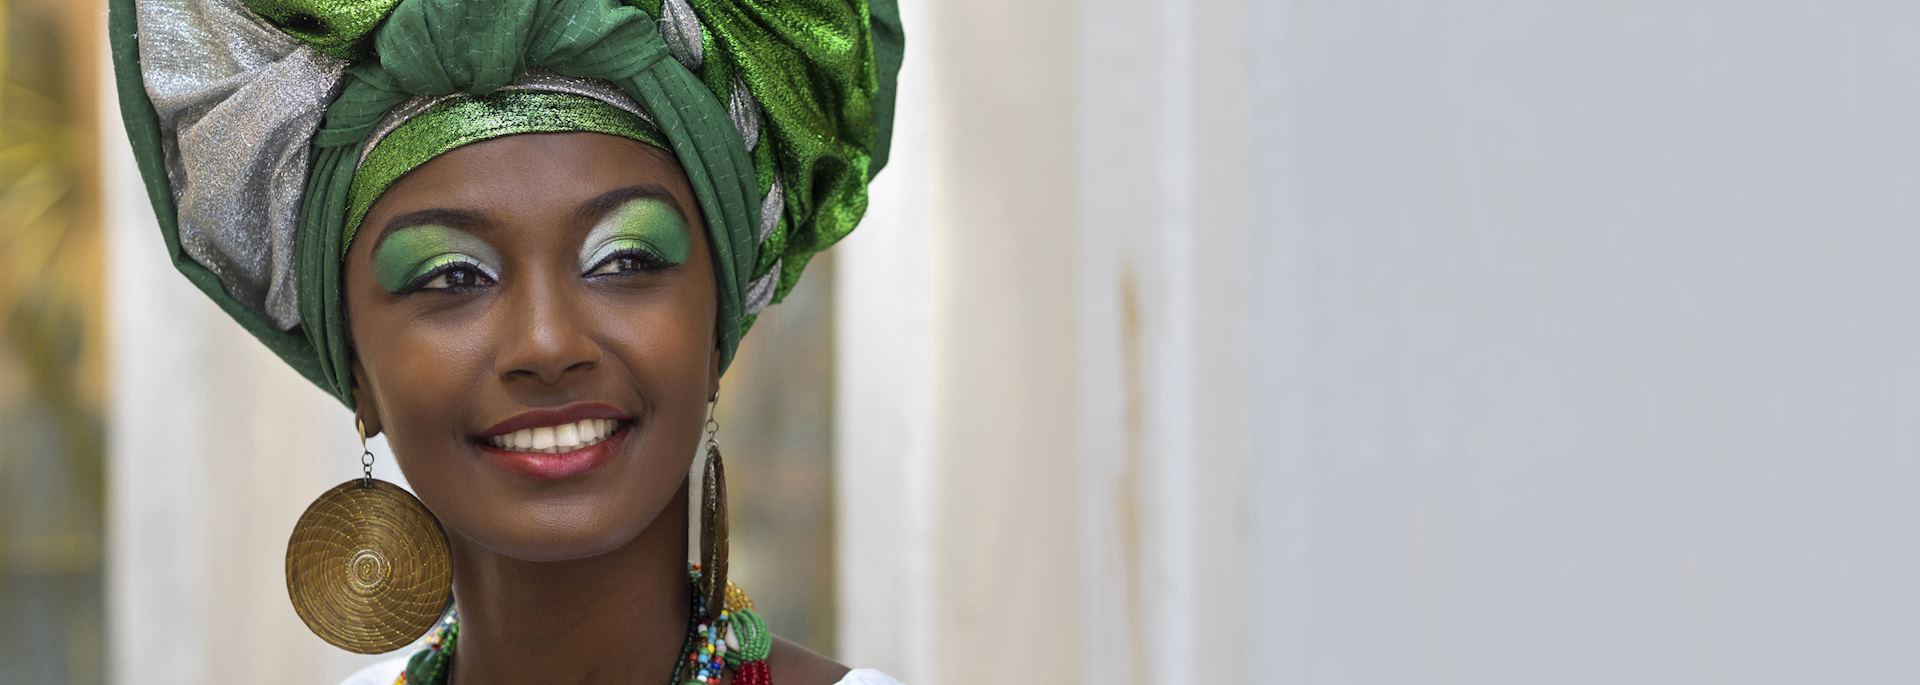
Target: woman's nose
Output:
[(546, 335)]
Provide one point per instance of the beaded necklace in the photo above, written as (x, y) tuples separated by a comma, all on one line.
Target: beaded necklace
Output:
[(737, 639)]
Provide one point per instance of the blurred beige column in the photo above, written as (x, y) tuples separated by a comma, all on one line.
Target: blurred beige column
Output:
[(956, 467), (1164, 149), (1047, 459)]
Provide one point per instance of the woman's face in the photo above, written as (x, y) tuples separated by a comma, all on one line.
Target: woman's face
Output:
[(533, 325)]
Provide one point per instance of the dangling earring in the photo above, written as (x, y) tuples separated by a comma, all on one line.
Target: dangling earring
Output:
[(367, 565), (713, 523)]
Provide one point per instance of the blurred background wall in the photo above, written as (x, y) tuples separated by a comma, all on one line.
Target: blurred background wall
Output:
[(1211, 341), (53, 386)]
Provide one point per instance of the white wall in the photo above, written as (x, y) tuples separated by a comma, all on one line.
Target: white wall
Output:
[(1593, 346), (1467, 342)]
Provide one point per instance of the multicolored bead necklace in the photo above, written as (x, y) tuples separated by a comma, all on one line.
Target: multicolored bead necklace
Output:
[(736, 639)]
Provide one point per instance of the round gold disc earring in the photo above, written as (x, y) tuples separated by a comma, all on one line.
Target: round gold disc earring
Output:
[(367, 565)]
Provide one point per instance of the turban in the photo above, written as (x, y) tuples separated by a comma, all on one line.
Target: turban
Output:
[(265, 129)]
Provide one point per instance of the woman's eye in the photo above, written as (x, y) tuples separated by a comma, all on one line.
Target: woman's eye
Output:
[(456, 277), (629, 261)]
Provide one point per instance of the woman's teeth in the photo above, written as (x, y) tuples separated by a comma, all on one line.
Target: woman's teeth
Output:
[(556, 439)]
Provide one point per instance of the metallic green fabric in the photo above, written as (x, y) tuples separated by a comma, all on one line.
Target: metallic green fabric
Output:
[(817, 82), (335, 27), (464, 121), (780, 112)]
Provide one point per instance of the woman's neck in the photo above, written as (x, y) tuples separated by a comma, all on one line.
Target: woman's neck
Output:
[(619, 617)]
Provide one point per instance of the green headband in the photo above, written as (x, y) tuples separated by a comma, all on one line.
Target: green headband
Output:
[(464, 121), (250, 120)]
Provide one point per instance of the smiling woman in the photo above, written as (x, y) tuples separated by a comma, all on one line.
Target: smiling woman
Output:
[(530, 316), (521, 239)]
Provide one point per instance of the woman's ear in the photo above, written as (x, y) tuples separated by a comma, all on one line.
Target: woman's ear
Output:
[(364, 407)]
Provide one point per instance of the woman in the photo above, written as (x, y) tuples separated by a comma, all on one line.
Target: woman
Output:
[(521, 238)]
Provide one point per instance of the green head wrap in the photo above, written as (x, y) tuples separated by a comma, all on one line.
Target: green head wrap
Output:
[(251, 125)]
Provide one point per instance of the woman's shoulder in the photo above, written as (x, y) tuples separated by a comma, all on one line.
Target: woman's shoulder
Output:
[(792, 664), (867, 676), (378, 673), (386, 672)]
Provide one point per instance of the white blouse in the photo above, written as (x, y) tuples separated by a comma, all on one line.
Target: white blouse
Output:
[(385, 672)]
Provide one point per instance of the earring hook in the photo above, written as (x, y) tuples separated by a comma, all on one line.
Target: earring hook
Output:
[(366, 455), (712, 425)]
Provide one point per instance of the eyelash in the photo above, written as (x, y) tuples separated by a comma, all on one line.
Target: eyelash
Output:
[(421, 282), (648, 261)]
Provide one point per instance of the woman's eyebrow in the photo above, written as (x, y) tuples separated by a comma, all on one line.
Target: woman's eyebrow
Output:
[(456, 218), (597, 207)]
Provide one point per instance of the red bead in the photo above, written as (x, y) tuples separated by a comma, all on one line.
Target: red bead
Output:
[(753, 673)]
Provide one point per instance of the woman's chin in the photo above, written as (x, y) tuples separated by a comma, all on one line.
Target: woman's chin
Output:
[(554, 541), (514, 505), (561, 529)]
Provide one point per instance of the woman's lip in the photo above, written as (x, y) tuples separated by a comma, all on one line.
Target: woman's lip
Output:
[(544, 466), (571, 413)]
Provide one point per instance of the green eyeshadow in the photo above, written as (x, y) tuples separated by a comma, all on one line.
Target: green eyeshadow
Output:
[(646, 224), (407, 254)]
